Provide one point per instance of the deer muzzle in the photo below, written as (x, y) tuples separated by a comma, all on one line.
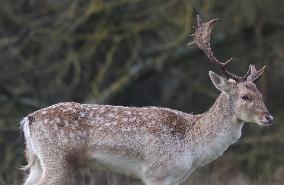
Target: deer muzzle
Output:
[(267, 118)]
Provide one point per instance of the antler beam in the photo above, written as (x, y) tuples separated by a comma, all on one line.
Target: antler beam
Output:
[(201, 39)]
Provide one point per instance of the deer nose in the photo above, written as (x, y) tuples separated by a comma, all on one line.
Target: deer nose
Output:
[(269, 118)]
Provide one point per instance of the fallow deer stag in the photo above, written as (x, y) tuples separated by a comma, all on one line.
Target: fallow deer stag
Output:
[(160, 146)]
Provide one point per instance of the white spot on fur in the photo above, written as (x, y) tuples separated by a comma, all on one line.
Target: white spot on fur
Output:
[(111, 115), (102, 110), (82, 114), (108, 124), (71, 135), (57, 120), (98, 119), (56, 128)]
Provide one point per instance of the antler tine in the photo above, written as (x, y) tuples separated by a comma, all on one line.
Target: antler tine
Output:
[(255, 74), (199, 21), (201, 39)]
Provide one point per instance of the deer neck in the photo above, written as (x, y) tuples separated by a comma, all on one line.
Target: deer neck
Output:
[(221, 118), (215, 131), (222, 109)]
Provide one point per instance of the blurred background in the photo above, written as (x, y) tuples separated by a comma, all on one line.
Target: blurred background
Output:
[(135, 53)]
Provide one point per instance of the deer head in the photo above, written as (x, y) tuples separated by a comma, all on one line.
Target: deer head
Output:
[(246, 98)]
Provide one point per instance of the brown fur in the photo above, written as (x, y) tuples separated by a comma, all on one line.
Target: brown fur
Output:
[(169, 144)]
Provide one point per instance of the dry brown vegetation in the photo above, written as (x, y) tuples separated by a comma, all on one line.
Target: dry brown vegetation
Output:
[(133, 52)]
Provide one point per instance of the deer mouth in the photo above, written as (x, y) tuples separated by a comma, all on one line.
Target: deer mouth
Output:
[(265, 119), (264, 123)]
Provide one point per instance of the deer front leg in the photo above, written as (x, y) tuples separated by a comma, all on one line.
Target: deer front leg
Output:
[(115, 179), (152, 178)]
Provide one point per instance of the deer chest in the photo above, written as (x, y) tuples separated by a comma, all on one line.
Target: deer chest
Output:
[(208, 150)]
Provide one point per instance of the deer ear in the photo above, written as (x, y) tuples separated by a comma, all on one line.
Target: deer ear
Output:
[(219, 82)]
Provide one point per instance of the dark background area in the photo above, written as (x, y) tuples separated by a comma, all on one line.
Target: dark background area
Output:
[(135, 53)]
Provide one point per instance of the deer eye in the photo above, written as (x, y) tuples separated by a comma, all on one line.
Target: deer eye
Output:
[(245, 97)]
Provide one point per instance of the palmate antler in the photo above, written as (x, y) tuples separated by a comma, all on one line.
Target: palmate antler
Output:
[(201, 39)]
